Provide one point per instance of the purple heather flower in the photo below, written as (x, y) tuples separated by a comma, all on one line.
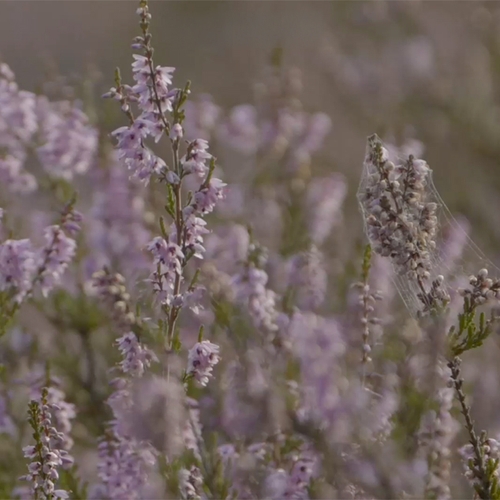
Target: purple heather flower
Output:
[(123, 468), (13, 176), (194, 231), (61, 411), (325, 196), (139, 159), (168, 259), (117, 225), (202, 358), (143, 88), (17, 266), (6, 423), (317, 344), (240, 131), (45, 456), (69, 141), (206, 198), (18, 126), (260, 302), (194, 162), (136, 357), (54, 257), (308, 276), (190, 483), (309, 140)]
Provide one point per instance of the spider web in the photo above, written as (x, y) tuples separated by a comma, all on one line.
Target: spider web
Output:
[(454, 260)]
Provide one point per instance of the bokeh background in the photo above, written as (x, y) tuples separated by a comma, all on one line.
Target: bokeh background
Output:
[(422, 73), (405, 69)]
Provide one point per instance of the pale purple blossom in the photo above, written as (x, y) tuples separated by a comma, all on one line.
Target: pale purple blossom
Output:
[(194, 231), (190, 483), (240, 130), (7, 425), (123, 468), (324, 199), (17, 266), (168, 259), (308, 277), (259, 301), (202, 358), (117, 231), (136, 357), (195, 160), (138, 158), (309, 138), (14, 177), (54, 258), (46, 456), (206, 198), (69, 141), (143, 89)]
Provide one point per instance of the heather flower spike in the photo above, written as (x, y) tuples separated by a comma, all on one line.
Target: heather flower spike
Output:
[(45, 456), (401, 223)]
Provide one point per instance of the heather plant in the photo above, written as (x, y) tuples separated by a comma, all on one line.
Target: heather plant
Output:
[(169, 334)]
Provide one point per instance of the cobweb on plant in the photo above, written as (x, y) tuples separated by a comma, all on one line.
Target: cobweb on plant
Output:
[(450, 254)]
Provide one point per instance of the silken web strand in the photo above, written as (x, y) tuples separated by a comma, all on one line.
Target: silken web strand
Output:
[(406, 219)]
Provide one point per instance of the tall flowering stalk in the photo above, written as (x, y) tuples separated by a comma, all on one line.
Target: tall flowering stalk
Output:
[(155, 111), (401, 222), (161, 114), (47, 455)]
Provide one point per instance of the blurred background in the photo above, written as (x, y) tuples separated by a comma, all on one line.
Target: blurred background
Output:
[(407, 70), (424, 76)]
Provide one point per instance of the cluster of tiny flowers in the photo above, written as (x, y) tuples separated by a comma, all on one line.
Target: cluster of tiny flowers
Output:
[(123, 469), (308, 277), (46, 455), (118, 231), (17, 266), (277, 126), (62, 412), (191, 431), (437, 433), (324, 199), (18, 124), (294, 484), (111, 289), (69, 142), (136, 357), (190, 483), (490, 450), (7, 425), (153, 97), (483, 289), (138, 158), (251, 291), (124, 462), (202, 358), (168, 258), (58, 252), (64, 140), (367, 299), (21, 265), (400, 222), (207, 196)]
